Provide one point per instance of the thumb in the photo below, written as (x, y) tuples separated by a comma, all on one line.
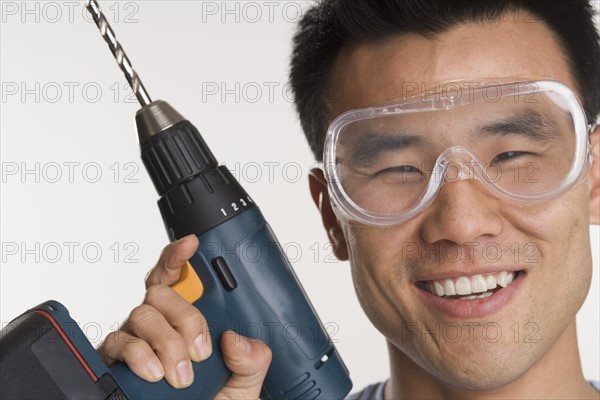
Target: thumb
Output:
[(172, 259), (248, 360)]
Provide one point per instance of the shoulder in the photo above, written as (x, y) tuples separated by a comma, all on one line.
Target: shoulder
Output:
[(596, 385), (371, 392)]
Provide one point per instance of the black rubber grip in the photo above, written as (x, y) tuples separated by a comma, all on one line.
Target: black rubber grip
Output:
[(202, 203), (175, 155)]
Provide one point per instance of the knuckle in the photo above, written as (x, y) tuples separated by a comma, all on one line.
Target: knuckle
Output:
[(115, 340), (171, 345), (191, 317), (112, 339), (120, 345), (141, 315), (149, 279), (138, 356), (156, 292), (136, 350)]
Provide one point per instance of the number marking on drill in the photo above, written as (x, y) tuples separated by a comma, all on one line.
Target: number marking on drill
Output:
[(235, 207)]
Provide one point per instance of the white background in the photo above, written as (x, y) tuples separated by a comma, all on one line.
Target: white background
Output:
[(183, 51)]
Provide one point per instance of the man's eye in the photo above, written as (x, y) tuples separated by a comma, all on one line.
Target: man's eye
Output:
[(400, 169), (509, 155)]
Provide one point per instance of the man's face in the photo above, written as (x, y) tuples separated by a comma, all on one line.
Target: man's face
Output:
[(480, 343)]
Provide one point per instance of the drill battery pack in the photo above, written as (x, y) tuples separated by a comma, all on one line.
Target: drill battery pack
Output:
[(45, 355)]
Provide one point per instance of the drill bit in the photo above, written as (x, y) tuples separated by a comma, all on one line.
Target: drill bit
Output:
[(107, 33)]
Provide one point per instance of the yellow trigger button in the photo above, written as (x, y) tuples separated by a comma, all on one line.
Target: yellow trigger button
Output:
[(189, 285)]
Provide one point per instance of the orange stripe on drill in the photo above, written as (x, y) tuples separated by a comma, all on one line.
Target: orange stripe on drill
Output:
[(189, 285)]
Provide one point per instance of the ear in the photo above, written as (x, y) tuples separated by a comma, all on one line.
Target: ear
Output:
[(594, 178), (320, 195)]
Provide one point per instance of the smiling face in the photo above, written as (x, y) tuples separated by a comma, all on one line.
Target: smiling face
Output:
[(467, 238)]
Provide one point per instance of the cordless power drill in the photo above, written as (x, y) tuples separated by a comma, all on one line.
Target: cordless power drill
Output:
[(45, 354)]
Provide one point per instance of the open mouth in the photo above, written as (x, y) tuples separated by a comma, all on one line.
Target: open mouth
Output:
[(470, 287)]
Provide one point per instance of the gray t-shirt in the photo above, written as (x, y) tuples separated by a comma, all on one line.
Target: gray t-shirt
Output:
[(375, 392), (371, 392)]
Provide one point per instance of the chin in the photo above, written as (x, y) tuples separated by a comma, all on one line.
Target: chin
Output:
[(483, 376), (477, 366)]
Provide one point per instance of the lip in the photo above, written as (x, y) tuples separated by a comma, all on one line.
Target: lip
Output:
[(476, 308)]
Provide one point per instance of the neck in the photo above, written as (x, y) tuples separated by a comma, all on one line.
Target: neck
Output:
[(556, 375)]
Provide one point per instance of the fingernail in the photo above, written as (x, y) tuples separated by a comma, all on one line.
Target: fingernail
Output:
[(185, 375), (203, 346), (155, 369)]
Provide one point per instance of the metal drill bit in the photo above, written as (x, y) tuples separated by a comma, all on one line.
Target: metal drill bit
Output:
[(122, 59)]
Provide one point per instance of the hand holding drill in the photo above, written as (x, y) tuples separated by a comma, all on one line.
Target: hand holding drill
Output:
[(165, 334)]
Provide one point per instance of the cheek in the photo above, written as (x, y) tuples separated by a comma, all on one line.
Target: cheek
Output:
[(553, 221), (381, 286), (376, 253), (367, 258), (560, 231)]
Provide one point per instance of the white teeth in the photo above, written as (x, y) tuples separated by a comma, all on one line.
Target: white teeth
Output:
[(478, 296), (449, 289), (478, 284), (463, 285), (490, 281), (502, 279), (468, 287)]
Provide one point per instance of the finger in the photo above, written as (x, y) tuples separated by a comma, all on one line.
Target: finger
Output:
[(172, 259), (186, 319), (248, 360), (148, 324), (137, 354)]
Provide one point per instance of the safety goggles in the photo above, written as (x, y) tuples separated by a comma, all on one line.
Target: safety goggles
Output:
[(524, 141)]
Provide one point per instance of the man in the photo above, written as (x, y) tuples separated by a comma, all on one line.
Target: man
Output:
[(417, 192)]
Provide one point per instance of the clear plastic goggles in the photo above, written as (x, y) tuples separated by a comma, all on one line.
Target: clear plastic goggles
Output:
[(524, 141)]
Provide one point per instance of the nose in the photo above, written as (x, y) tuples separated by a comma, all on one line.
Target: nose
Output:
[(462, 213)]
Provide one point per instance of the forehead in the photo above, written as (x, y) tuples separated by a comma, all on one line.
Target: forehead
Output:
[(373, 73)]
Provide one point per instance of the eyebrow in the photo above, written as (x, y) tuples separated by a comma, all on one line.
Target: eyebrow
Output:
[(372, 145), (528, 123)]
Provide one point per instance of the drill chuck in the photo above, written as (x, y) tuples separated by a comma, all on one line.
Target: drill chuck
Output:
[(172, 149), (155, 118), (195, 191)]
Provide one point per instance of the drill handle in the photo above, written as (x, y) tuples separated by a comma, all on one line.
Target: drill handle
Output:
[(249, 287)]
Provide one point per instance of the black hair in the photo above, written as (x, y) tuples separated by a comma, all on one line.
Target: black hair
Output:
[(332, 24)]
